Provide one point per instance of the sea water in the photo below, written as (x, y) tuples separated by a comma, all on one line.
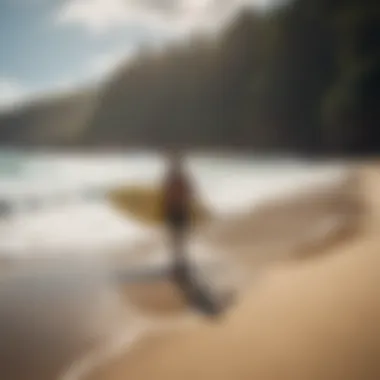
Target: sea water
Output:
[(56, 203)]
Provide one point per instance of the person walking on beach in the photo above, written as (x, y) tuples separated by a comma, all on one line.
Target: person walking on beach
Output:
[(178, 202), (177, 212)]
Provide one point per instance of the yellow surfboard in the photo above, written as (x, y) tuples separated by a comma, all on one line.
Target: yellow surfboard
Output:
[(145, 204)]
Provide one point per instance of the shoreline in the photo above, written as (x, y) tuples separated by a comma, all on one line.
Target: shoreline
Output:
[(312, 318), (152, 297), (159, 303)]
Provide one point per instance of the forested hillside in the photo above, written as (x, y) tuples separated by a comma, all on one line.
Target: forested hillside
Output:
[(302, 78)]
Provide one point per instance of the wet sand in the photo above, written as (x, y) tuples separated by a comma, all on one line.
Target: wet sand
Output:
[(143, 331)]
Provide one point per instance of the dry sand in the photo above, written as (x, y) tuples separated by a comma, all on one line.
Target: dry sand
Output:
[(300, 319)]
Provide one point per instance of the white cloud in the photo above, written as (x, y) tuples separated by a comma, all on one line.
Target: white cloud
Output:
[(96, 15), (12, 93), (178, 16)]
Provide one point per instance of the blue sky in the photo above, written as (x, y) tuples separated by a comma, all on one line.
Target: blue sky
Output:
[(49, 45)]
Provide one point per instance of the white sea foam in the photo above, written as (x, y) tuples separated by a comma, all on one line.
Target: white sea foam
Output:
[(64, 219)]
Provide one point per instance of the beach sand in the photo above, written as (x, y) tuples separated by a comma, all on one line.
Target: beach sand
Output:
[(315, 318), (304, 303)]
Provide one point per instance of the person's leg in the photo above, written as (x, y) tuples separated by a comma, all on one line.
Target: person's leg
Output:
[(197, 294), (176, 235), (179, 245), (180, 266)]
